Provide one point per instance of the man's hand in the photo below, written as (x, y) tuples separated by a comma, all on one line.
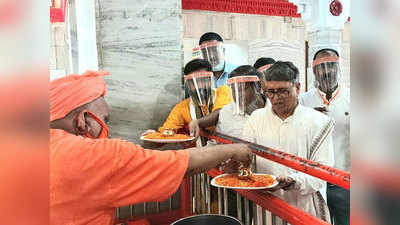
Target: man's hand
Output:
[(230, 166), (285, 183), (242, 153), (205, 158), (194, 129)]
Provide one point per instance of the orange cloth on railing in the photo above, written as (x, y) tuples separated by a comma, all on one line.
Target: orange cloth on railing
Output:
[(180, 114), (89, 178)]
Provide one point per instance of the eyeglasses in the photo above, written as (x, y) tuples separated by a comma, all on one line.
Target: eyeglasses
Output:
[(281, 92)]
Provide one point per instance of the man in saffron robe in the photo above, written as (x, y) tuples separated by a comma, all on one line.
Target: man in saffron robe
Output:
[(91, 174)]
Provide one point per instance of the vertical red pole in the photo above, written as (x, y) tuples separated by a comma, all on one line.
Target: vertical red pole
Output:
[(186, 206)]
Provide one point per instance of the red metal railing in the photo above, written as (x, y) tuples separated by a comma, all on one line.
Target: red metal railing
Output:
[(327, 173), (264, 199), (277, 206)]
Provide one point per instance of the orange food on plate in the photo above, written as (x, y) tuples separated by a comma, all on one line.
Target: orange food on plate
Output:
[(255, 180), (157, 135)]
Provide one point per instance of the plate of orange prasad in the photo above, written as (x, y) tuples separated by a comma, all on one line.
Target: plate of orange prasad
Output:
[(161, 138), (254, 181)]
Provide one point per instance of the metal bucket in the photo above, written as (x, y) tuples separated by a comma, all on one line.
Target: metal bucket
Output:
[(208, 219)]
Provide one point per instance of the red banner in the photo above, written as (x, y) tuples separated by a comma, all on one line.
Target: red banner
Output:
[(57, 11), (260, 7)]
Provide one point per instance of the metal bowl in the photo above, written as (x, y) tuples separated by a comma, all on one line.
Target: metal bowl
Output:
[(208, 219)]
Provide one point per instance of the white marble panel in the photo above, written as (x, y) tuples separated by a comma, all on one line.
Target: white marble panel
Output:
[(280, 50), (141, 46)]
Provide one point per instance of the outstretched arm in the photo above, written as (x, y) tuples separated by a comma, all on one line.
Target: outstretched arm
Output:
[(207, 121), (206, 158)]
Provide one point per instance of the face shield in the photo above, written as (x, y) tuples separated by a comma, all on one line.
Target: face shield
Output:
[(200, 86), (264, 68), (246, 95), (213, 52), (263, 71), (327, 72)]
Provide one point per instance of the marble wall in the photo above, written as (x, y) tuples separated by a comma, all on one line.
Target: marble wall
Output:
[(59, 56), (345, 55), (140, 44), (64, 51)]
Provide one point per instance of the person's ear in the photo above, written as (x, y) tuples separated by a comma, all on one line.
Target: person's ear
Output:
[(81, 125), (298, 85)]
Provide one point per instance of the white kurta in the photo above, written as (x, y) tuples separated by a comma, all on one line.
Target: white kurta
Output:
[(294, 136), (231, 124), (339, 109)]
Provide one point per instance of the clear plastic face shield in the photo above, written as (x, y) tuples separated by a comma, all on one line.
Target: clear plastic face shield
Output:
[(327, 73), (263, 71), (246, 94), (213, 52), (200, 85), (264, 68)]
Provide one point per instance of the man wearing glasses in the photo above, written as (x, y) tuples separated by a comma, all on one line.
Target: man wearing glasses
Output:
[(295, 129)]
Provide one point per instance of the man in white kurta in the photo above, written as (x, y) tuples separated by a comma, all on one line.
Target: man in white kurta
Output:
[(232, 117), (292, 128), (333, 99), (232, 124)]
